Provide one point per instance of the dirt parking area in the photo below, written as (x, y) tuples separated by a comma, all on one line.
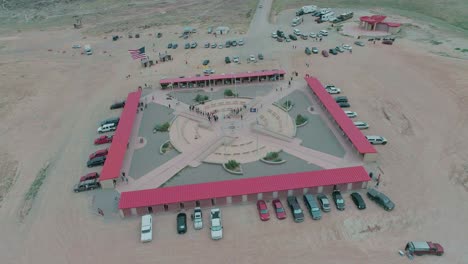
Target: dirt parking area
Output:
[(51, 102)]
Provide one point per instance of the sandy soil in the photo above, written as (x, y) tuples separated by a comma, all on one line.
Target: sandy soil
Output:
[(51, 102)]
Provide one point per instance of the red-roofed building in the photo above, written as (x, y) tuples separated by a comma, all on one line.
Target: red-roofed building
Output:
[(116, 155), (241, 190), (222, 79), (377, 23), (353, 134)]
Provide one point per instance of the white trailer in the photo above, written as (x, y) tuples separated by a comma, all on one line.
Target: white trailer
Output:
[(323, 11), (328, 16), (309, 9), (296, 21)]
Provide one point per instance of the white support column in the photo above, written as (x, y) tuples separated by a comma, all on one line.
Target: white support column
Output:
[(133, 211), (229, 200), (290, 192), (305, 190), (350, 186), (364, 185), (320, 189), (121, 213), (275, 195), (259, 196), (244, 198)]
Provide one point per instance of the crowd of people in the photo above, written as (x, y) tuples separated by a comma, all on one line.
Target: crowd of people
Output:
[(213, 116), (209, 115)]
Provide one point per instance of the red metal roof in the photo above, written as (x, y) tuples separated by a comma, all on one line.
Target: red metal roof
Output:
[(202, 191), (392, 24), (114, 160), (378, 19), (354, 134), (222, 76)]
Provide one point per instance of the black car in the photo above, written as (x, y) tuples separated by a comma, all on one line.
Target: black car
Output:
[(228, 44), (333, 51), (169, 46), (295, 209), (338, 199), (98, 161), (181, 223), (113, 120), (324, 202), (227, 60), (358, 201), (206, 62), (117, 105), (187, 46), (341, 99), (344, 104), (291, 36), (381, 199), (233, 43), (175, 45), (87, 185)]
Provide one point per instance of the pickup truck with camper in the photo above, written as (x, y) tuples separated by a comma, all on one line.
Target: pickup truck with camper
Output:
[(296, 21), (424, 248), (88, 50), (216, 226), (306, 10)]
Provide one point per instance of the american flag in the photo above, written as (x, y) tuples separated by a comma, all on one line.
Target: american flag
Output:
[(138, 53)]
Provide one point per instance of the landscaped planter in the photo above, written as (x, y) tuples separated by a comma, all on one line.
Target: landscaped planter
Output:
[(272, 162), (240, 172), (303, 124), (170, 147)]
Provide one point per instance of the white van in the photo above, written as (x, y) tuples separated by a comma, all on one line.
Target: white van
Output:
[(297, 32), (146, 228), (107, 128)]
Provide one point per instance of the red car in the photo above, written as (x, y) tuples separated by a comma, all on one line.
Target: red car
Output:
[(89, 176), (103, 140), (99, 153), (263, 210), (279, 209), (325, 53)]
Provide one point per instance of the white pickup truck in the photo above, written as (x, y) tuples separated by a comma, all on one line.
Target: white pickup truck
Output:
[(197, 218), (216, 226)]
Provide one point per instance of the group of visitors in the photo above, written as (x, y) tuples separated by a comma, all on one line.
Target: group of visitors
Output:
[(209, 115)]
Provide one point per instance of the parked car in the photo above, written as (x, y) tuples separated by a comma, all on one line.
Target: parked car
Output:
[(208, 71), (207, 45), (324, 202), (274, 35), (260, 56), (216, 226), (187, 46), (205, 62), (96, 162), (89, 176), (193, 45), (213, 46), (220, 46), (347, 47), (117, 105), (241, 42), (175, 45), (181, 223), (359, 43), (76, 46), (233, 43), (312, 35), (227, 60), (333, 51), (295, 209), (338, 199), (361, 125), (263, 210), (287, 39), (381, 199), (297, 32), (114, 120), (146, 234), (99, 153), (323, 32), (103, 140), (304, 37), (210, 30), (279, 209), (252, 58), (424, 248), (387, 42), (344, 104), (169, 46), (107, 128), (86, 185), (324, 53), (339, 49), (358, 201), (377, 140), (315, 50), (308, 51), (292, 37), (227, 44), (197, 218), (235, 59), (339, 99), (351, 114), (311, 204), (333, 90)]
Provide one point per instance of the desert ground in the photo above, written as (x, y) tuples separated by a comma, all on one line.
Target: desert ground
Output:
[(414, 93)]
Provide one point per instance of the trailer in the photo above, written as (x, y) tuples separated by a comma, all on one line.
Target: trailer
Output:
[(297, 21), (306, 10)]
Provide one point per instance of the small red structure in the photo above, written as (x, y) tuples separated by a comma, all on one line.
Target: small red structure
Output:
[(377, 23)]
